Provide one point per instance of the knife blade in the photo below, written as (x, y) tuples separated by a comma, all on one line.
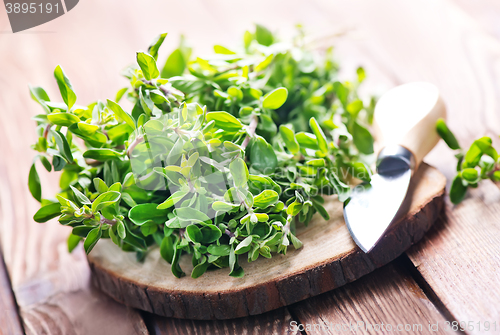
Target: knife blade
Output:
[(404, 121)]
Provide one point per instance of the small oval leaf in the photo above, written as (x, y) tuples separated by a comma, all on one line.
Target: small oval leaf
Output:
[(275, 99)]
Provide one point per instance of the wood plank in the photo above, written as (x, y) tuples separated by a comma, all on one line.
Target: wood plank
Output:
[(276, 322), (378, 303), (9, 319), (459, 257), (82, 312)]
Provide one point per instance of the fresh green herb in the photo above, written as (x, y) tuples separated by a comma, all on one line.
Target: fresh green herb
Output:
[(216, 157), (480, 161)]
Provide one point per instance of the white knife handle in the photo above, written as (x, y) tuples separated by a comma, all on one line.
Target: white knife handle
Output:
[(406, 115)]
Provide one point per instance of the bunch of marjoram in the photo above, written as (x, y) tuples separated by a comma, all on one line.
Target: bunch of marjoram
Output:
[(213, 157)]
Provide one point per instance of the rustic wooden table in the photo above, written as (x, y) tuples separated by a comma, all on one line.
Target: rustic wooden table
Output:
[(452, 274)]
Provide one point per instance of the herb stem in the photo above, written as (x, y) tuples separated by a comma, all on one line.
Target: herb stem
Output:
[(250, 131), (132, 146), (182, 231), (92, 162), (229, 233), (110, 222), (496, 168), (287, 227), (168, 93), (46, 130)]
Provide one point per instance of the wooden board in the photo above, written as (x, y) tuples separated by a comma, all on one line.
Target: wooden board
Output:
[(328, 259), (277, 322), (9, 318), (464, 242), (371, 300), (377, 303)]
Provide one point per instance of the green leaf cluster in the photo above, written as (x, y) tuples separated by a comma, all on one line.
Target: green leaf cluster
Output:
[(218, 157), (480, 161)]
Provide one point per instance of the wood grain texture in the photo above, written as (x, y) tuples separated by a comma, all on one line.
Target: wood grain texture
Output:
[(9, 319), (83, 312), (268, 283), (388, 295), (276, 322), (378, 303), (459, 257)]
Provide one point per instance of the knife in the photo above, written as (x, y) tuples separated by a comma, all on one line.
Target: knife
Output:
[(404, 124)]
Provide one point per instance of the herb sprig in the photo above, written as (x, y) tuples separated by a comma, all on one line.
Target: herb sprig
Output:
[(218, 157), (480, 161)]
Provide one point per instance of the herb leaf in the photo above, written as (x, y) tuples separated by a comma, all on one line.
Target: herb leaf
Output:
[(47, 212), (225, 121), (457, 190), (275, 99), (67, 93), (148, 65), (155, 46), (91, 239), (63, 119), (447, 135), (363, 140), (63, 145), (73, 241), (239, 171), (263, 35), (121, 114), (34, 184), (144, 213), (105, 199), (102, 154), (174, 65)]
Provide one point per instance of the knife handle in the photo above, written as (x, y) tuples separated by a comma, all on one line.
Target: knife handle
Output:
[(406, 115)]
